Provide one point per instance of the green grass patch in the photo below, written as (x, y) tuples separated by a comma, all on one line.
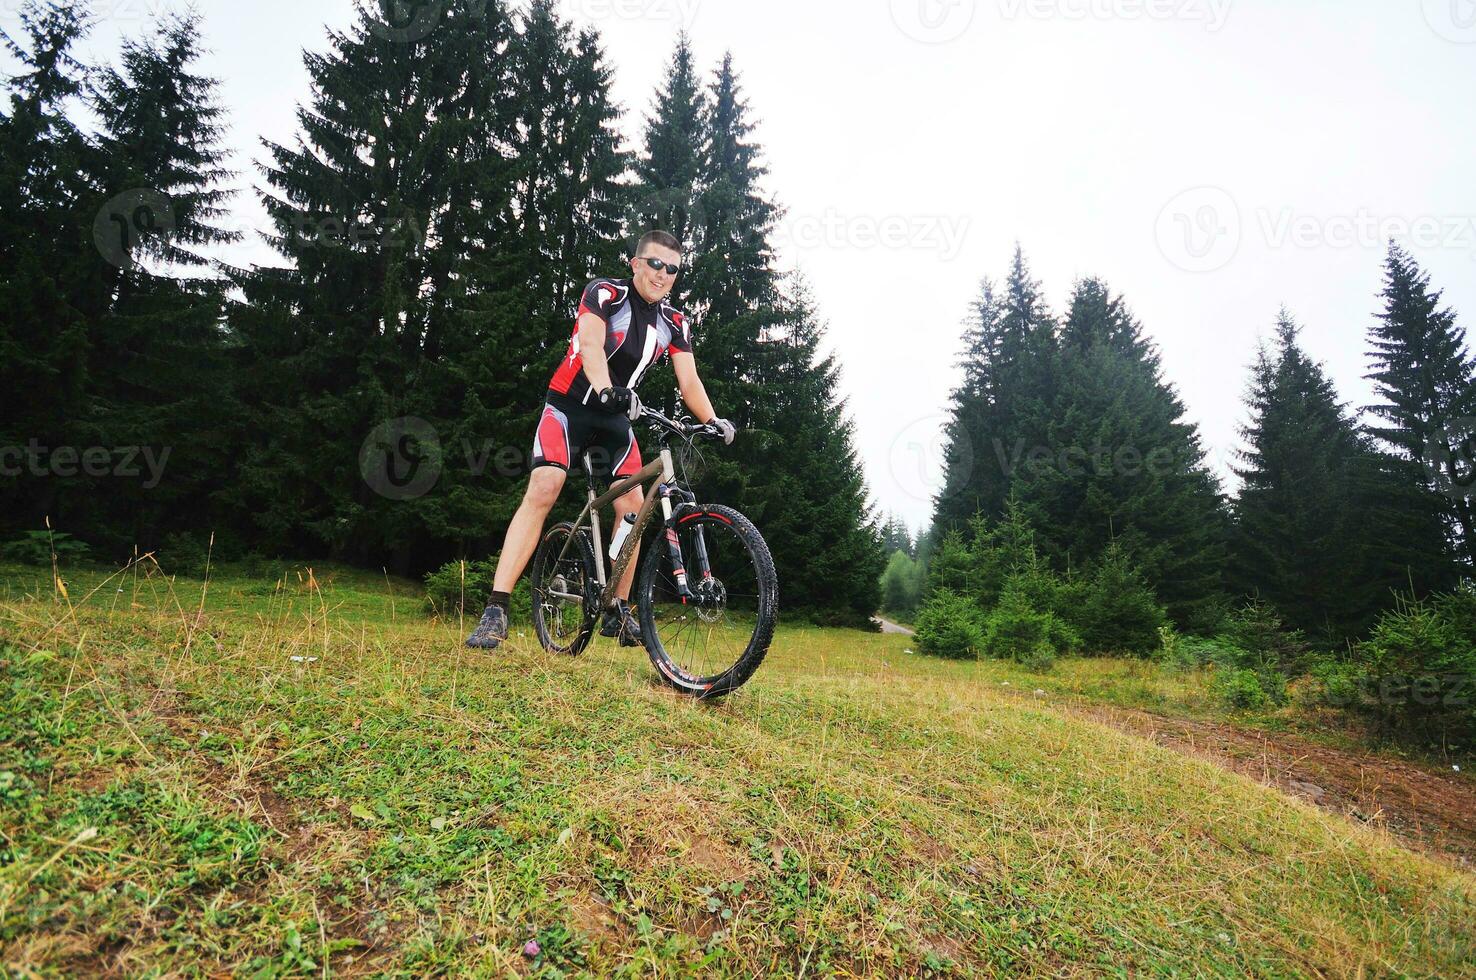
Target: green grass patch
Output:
[(278, 777)]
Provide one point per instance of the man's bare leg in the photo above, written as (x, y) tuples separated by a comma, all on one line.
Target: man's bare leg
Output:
[(527, 526), (629, 504), (619, 620)]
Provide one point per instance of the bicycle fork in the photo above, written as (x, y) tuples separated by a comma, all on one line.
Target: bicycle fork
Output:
[(701, 567)]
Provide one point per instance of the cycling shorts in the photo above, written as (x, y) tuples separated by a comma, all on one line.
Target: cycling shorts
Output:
[(567, 430)]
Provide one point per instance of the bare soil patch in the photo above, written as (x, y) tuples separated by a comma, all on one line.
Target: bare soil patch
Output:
[(1432, 811)]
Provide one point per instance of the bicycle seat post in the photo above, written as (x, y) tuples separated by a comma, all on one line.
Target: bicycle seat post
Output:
[(589, 477)]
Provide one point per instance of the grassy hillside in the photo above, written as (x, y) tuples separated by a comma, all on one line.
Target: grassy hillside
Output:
[(316, 778)]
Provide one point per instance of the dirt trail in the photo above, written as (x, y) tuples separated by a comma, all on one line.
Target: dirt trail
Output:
[(887, 626), (1432, 811)]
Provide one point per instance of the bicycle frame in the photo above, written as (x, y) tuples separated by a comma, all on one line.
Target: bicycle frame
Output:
[(663, 468)]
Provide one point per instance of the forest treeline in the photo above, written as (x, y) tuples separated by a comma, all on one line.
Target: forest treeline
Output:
[(458, 173), (1079, 513)]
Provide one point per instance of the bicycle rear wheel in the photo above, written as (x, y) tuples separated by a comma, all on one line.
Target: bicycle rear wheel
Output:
[(709, 646), (566, 592)]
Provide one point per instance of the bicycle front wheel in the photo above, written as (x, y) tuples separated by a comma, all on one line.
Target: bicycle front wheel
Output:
[(708, 646), (566, 591)]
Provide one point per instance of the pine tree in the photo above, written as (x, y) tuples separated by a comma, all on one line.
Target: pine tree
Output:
[(1001, 410), (162, 131), (798, 478), (669, 171), (398, 178), (1427, 380), (48, 262), (1123, 468), (560, 227), (1305, 538), (757, 343), (159, 376), (971, 484), (733, 273), (896, 537)]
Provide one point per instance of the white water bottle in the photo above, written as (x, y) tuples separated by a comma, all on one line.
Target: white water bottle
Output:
[(620, 533)]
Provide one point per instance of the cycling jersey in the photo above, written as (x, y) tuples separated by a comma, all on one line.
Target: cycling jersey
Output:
[(637, 333)]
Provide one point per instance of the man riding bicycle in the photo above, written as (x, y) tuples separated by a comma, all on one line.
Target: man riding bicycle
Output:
[(623, 327)]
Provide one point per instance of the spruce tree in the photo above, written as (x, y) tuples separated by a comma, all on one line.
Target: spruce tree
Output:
[(48, 263), (397, 179), (733, 272), (896, 537), (669, 171), (1122, 468), (159, 376), (559, 227), (1305, 537), (1426, 379), (795, 472), (971, 484), (1001, 410)]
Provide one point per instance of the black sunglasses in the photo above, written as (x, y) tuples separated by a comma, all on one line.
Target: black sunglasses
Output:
[(658, 265)]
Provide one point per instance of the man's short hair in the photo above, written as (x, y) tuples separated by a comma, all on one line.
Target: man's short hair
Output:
[(665, 239)]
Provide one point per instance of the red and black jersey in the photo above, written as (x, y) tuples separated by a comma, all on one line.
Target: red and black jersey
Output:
[(637, 334)]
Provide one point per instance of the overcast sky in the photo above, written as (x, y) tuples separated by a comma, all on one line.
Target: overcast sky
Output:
[(1211, 159)]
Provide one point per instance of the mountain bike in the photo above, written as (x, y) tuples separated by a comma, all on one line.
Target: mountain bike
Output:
[(706, 589)]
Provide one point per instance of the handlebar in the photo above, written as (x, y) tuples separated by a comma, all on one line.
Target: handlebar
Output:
[(678, 427)]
